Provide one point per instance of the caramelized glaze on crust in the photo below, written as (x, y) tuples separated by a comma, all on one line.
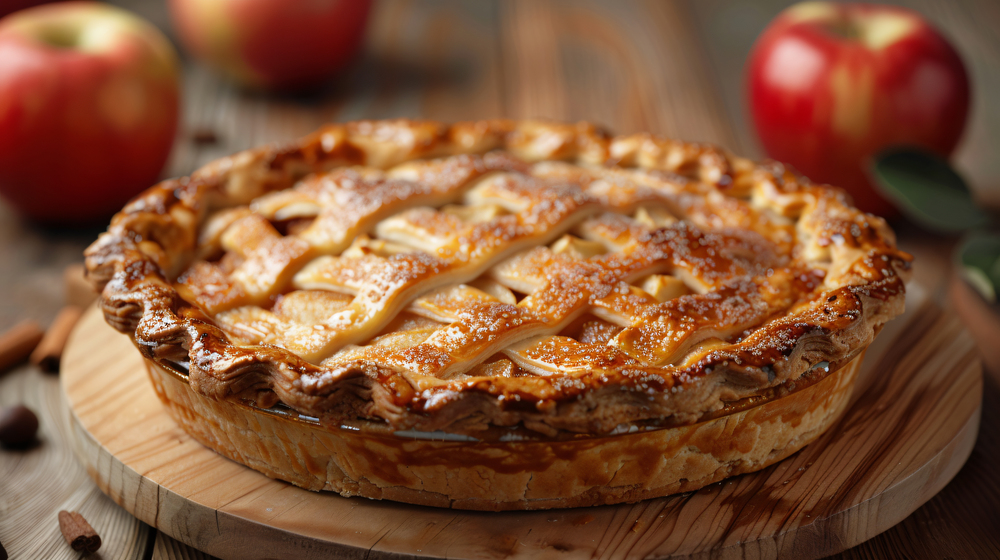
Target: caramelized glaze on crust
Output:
[(495, 273)]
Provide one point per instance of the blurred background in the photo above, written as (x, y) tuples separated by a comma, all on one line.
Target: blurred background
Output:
[(675, 68)]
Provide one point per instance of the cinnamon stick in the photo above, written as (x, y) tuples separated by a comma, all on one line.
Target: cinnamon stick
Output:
[(78, 290), (78, 533), (17, 343), (49, 351)]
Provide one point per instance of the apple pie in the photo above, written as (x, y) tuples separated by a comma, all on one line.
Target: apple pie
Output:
[(498, 314)]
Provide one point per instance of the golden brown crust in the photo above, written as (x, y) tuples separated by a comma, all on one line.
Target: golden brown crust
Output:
[(833, 277)]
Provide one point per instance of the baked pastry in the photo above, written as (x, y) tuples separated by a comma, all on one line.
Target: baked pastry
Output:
[(498, 314)]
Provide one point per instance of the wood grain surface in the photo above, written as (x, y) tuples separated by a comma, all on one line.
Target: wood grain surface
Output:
[(909, 429), (36, 483), (672, 67)]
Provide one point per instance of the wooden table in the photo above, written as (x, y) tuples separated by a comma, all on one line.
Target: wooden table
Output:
[(670, 67)]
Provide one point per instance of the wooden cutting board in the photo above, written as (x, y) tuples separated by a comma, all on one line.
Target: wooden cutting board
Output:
[(911, 426)]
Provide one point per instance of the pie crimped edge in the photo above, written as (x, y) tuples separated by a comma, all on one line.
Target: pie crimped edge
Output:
[(156, 236)]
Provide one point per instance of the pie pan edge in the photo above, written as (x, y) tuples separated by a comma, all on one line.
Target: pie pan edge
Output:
[(508, 475)]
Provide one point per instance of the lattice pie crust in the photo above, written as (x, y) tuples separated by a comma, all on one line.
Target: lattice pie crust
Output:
[(496, 279)]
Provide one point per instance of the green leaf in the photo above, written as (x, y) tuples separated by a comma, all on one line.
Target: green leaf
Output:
[(925, 188), (979, 258), (980, 282)]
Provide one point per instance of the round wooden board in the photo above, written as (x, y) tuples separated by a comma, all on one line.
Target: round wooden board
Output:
[(911, 426)]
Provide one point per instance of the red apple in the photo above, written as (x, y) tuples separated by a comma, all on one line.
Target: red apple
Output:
[(11, 6), (88, 109), (831, 85), (272, 44)]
